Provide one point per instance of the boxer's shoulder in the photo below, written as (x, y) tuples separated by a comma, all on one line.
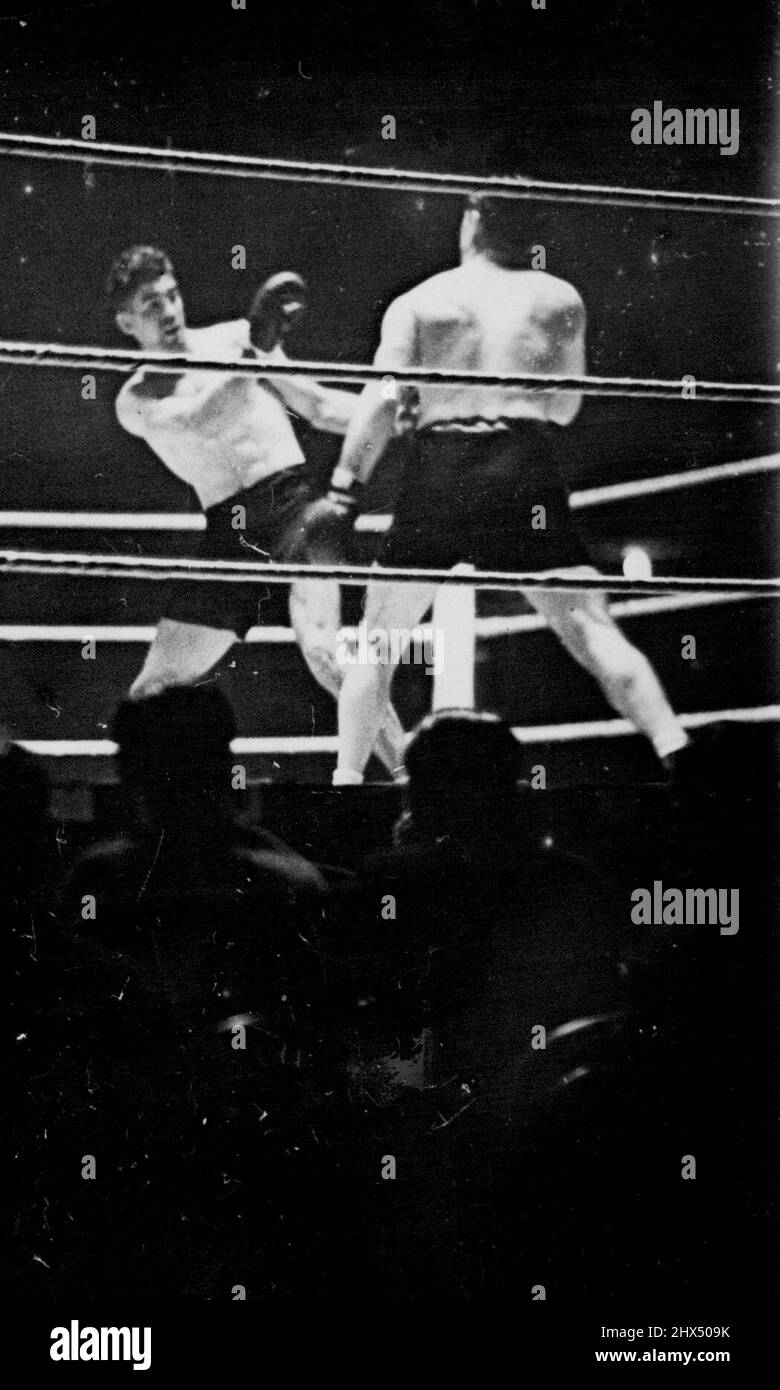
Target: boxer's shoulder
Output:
[(552, 289), (554, 303), (436, 289), (428, 303), (227, 338), (132, 398)]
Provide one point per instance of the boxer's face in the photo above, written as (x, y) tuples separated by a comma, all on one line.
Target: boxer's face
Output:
[(154, 316)]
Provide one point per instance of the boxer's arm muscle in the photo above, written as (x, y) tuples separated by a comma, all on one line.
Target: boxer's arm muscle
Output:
[(566, 328), (373, 423), (148, 405), (324, 408)]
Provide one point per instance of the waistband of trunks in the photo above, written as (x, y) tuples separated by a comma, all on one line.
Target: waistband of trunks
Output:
[(476, 425), (266, 487)]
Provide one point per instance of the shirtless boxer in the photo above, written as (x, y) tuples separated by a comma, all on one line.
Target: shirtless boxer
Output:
[(231, 439), (481, 459)]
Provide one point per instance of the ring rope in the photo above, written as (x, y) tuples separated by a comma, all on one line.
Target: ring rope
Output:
[(361, 176), (18, 354), (509, 626), (328, 743), (668, 482), (380, 521), (513, 625), (234, 572)]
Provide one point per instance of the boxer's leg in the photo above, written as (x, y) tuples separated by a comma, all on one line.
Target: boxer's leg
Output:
[(365, 693), (179, 655), (315, 614), (582, 622)]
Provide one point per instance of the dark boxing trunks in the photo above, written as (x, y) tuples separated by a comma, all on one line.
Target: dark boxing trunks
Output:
[(271, 517), (468, 495)]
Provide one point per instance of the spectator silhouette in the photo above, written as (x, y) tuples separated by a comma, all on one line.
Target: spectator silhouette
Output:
[(492, 930), (185, 841), (486, 936), (190, 974), (26, 874)]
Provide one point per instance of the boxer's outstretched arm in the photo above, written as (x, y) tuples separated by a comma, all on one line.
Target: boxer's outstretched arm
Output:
[(150, 402), (369, 434), (325, 409), (373, 423)]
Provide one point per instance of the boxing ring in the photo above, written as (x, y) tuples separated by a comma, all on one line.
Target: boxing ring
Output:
[(454, 612)]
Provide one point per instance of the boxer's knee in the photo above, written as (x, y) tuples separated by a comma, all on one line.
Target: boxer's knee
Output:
[(320, 657), (180, 654), (365, 688), (144, 687)]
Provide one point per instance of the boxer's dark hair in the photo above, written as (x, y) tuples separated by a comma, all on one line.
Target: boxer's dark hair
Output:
[(508, 229), (132, 268)]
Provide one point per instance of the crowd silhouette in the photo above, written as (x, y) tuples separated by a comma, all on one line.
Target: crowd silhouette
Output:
[(455, 1069)]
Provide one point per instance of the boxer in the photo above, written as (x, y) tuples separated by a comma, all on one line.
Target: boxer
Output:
[(481, 473), (230, 438)]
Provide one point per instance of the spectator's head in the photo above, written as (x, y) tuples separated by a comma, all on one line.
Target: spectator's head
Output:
[(462, 765), (174, 752), (24, 817)]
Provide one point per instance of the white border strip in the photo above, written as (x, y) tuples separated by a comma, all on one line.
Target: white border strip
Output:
[(539, 733)]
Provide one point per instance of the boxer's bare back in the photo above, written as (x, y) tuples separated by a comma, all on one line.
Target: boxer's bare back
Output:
[(482, 317)]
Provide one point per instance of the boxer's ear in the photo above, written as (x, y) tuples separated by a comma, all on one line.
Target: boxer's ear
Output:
[(468, 228), (124, 322)]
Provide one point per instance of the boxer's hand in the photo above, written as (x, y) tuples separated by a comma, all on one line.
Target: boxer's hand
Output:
[(407, 409), (327, 525), (275, 307)]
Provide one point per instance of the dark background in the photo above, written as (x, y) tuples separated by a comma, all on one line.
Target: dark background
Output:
[(479, 87), (487, 86), (473, 87)]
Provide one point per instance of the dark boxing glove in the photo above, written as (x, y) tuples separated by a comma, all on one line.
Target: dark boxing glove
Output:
[(328, 522), (275, 307)]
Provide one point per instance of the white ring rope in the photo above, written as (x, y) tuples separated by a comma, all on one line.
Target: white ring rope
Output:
[(327, 743), (669, 482), (361, 176), (22, 354), (376, 521), (229, 572), (509, 626)]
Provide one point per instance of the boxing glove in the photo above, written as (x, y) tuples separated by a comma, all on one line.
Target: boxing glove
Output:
[(277, 304), (328, 522)]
